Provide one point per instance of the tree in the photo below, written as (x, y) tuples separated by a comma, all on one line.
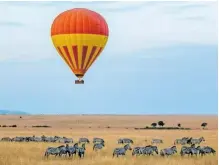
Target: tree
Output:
[(204, 125), (161, 123), (179, 125), (153, 124)]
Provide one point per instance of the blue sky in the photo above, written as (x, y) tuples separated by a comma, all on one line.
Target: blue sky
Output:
[(161, 58)]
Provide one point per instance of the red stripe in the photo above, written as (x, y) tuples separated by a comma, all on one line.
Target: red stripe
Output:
[(68, 55), (100, 49), (60, 52), (91, 55), (84, 52), (75, 52)]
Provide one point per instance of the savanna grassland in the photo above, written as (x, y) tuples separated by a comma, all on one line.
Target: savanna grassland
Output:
[(110, 128)]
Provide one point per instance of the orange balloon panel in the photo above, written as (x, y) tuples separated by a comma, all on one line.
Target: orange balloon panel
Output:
[(79, 35)]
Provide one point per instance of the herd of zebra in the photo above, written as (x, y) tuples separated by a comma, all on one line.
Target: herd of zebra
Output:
[(99, 143)]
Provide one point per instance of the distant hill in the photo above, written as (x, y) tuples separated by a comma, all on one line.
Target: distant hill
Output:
[(9, 112)]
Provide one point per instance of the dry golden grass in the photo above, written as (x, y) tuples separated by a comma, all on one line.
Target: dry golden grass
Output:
[(78, 126)]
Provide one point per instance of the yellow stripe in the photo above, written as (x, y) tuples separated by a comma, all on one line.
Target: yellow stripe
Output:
[(92, 60), (87, 56), (65, 57), (71, 55), (79, 56), (79, 40)]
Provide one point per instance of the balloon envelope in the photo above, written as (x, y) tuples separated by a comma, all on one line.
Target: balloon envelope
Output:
[(79, 35)]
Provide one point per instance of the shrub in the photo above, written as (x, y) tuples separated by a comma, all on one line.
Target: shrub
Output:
[(37, 126), (161, 123), (204, 125), (153, 124)]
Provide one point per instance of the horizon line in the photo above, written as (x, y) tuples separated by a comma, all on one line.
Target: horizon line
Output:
[(84, 114)]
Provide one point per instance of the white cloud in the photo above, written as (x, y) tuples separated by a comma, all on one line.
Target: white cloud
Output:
[(133, 26)]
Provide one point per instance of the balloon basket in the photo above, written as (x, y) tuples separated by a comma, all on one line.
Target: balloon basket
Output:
[(79, 81)]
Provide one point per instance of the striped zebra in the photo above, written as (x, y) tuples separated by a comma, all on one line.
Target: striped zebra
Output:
[(206, 150), (98, 140), (149, 150), (182, 141), (137, 151), (190, 150), (196, 141), (81, 150), (64, 151), (168, 151), (83, 140), (121, 151), (125, 140), (73, 149), (53, 151), (98, 146), (156, 141)]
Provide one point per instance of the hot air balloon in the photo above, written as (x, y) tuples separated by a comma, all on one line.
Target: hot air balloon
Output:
[(79, 36)]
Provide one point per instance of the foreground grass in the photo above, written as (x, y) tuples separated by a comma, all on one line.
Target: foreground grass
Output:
[(12, 153)]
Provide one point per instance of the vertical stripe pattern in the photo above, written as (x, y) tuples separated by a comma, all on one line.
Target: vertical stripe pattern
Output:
[(82, 60)]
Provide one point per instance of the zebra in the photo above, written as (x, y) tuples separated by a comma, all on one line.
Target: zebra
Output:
[(206, 150), (120, 141), (182, 141), (18, 139), (168, 151), (81, 150), (190, 150), (196, 141), (83, 140), (157, 141), (149, 150), (137, 151), (6, 139), (98, 140), (64, 151), (125, 140), (68, 140), (185, 150), (73, 149), (98, 146), (121, 151), (53, 151)]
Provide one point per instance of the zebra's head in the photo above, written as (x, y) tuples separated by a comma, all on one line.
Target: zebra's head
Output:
[(174, 149), (202, 138), (198, 148), (83, 146), (76, 145), (127, 147), (155, 149), (120, 141)]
